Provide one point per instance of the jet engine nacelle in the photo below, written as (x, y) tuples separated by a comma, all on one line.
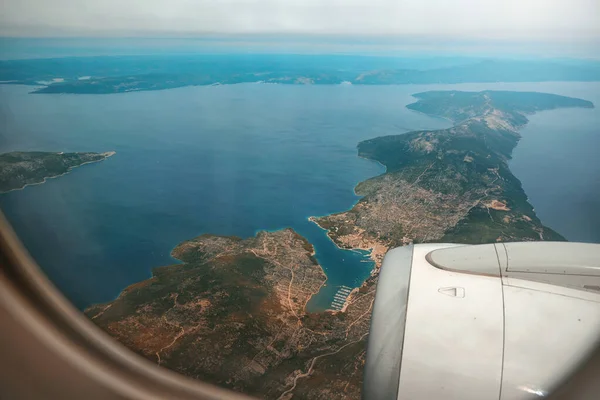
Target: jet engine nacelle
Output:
[(496, 321)]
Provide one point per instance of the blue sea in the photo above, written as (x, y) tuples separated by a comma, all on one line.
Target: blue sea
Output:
[(227, 160), (233, 160)]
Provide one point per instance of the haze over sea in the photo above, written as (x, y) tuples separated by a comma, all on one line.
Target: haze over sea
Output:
[(235, 159)]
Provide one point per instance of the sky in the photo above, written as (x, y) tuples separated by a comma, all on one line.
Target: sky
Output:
[(546, 20)]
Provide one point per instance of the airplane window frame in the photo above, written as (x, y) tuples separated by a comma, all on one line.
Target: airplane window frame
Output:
[(37, 317)]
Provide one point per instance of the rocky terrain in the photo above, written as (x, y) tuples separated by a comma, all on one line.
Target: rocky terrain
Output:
[(19, 169), (234, 314)]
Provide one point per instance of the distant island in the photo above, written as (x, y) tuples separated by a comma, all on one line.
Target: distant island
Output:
[(233, 313), (19, 169), (121, 74)]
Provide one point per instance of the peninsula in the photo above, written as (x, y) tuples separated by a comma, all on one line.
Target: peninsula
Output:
[(19, 169), (448, 185)]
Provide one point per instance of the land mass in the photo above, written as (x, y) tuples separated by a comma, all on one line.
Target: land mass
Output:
[(234, 312), (119, 74), (448, 185), (19, 169)]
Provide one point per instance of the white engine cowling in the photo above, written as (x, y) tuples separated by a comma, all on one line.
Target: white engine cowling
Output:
[(497, 321)]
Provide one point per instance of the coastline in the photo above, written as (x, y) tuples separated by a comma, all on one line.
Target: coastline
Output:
[(375, 161), (368, 249), (429, 115), (105, 154), (329, 310), (372, 255)]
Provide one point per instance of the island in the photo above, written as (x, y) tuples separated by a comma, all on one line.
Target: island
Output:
[(122, 74), (233, 312), (19, 168)]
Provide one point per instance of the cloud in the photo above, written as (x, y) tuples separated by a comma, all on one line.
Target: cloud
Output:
[(530, 19)]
